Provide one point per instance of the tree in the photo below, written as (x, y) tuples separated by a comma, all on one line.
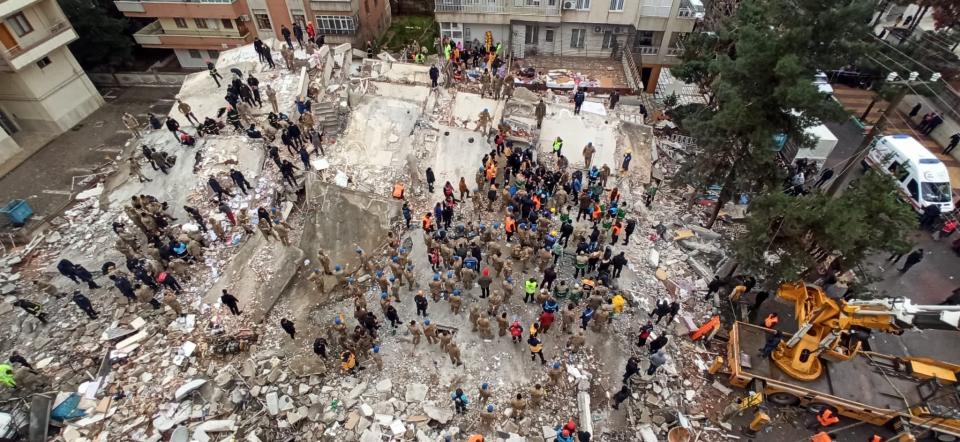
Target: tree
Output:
[(761, 87), (788, 236), (104, 34)]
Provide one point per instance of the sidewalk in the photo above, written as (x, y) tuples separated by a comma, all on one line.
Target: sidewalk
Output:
[(46, 177), (856, 102)]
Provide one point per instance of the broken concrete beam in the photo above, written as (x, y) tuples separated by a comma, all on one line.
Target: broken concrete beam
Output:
[(700, 268), (700, 247), (704, 233), (583, 403), (188, 388)]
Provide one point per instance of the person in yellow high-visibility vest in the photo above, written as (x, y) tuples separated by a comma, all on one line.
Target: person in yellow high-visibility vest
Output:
[(6, 376)]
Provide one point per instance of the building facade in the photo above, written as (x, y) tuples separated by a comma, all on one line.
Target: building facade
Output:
[(197, 30), (651, 29), (43, 90)]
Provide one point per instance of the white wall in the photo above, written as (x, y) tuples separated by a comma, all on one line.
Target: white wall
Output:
[(8, 146), (187, 61)]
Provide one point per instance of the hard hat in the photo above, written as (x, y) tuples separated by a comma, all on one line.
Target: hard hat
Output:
[(485, 386), (379, 273), (336, 321), (426, 322), (553, 232), (376, 349), (337, 267), (456, 292), (392, 278), (395, 258), (383, 295), (436, 276), (556, 364), (490, 408)]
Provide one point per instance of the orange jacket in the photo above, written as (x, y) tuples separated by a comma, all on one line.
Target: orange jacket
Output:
[(616, 229), (427, 222), (510, 225), (771, 321), (596, 211), (821, 437), (536, 202), (491, 172), (826, 418)]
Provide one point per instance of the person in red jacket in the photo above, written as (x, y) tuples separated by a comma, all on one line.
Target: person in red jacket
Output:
[(546, 320), (516, 331)]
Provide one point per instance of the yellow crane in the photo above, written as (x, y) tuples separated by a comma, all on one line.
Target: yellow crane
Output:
[(828, 330)]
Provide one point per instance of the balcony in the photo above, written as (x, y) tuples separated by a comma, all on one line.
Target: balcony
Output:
[(182, 8), (321, 7), (515, 7), (691, 9), (41, 43), (646, 50), (674, 52), (154, 36)]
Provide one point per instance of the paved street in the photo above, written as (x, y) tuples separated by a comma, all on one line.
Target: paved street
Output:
[(45, 179)]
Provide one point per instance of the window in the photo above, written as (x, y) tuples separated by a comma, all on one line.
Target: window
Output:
[(548, 36), (451, 30), (913, 189), (336, 24), (43, 62), (180, 22), (466, 31), (213, 54), (583, 4), (616, 5), (936, 192), (643, 38), (195, 53), (532, 2), (200, 22), (20, 24), (531, 35), (576, 38), (300, 20), (608, 40), (227, 23), (263, 20)]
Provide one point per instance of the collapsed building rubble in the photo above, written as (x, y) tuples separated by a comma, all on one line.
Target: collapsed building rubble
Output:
[(149, 375)]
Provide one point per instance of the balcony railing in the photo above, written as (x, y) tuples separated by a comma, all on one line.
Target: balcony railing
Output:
[(692, 9), (151, 34), (524, 7), (674, 52), (646, 50), (331, 6), (185, 1), (52, 30)]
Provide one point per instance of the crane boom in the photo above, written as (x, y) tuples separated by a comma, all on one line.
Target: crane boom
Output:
[(827, 326)]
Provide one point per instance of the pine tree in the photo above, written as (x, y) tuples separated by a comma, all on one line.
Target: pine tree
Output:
[(761, 71), (104, 33), (787, 236)]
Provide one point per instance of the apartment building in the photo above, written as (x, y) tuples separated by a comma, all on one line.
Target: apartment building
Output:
[(197, 30), (43, 90), (651, 29)]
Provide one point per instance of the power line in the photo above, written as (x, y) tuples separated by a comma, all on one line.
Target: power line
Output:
[(915, 61), (948, 106)]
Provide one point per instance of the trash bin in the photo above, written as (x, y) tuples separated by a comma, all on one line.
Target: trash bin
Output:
[(18, 211)]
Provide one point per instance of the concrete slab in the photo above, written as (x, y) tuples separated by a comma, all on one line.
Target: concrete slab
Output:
[(576, 131), (407, 73), (468, 107), (378, 133), (341, 218), (456, 156), (257, 275), (399, 91)]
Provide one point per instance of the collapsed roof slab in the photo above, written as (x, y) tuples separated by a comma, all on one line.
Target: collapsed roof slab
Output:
[(378, 133), (458, 154), (338, 220), (257, 275), (576, 131)]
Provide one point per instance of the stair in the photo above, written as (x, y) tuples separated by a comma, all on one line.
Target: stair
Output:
[(326, 117)]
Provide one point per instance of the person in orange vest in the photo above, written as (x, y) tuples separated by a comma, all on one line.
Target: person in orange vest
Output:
[(876, 438), (476, 438), (826, 418), (510, 226), (615, 231), (596, 212), (821, 437), (428, 222), (492, 172), (771, 321)]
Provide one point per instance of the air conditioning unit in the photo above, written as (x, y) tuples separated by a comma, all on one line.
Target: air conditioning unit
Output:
[(617, 30), (244, 17), (568, 5), (598, 29)]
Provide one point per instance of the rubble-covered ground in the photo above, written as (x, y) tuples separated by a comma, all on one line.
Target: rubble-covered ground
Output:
[(145, 374)]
